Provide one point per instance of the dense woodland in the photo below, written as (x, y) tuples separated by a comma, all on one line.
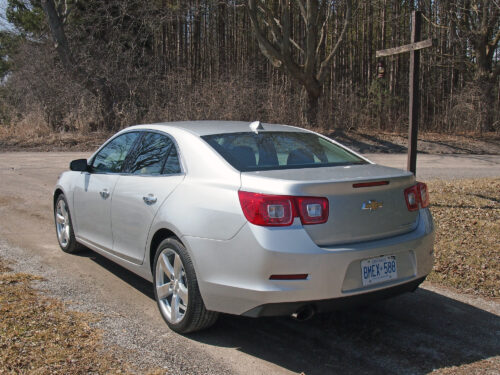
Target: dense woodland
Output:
[(82, 65)]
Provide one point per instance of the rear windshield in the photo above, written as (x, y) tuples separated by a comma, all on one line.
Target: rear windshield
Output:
[(279, 150)]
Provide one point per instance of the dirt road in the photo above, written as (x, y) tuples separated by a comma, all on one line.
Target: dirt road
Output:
[(413, 334), (444, 166)]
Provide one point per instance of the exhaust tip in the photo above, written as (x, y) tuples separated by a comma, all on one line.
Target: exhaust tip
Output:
[(304, 313)]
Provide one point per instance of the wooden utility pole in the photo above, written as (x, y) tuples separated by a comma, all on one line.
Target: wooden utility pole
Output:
[(416, 19), (414, 49)]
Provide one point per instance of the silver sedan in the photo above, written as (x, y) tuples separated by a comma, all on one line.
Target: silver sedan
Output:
[(246, 218)]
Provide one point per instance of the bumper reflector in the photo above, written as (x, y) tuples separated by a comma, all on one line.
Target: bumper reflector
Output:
[(300, 276)]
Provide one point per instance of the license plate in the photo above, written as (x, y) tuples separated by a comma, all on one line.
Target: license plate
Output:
[(378, 270)]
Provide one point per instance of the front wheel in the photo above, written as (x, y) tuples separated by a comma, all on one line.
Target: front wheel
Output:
[(176, 289), (64, 226)]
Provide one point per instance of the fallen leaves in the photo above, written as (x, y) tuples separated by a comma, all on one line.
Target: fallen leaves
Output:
[(39, 335), (467, 248)]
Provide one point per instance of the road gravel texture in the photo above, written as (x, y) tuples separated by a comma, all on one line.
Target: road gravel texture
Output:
[(433, 328), (444, 166)]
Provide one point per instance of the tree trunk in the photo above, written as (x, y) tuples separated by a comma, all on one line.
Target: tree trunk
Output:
[(310, 107), (484, 81), (99, 87), (487, 102)]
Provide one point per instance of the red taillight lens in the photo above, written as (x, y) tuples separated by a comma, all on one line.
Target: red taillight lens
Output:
[(423, 194), (417, 195), (267, 210), (312, 210), (280, 210), (411, 196)]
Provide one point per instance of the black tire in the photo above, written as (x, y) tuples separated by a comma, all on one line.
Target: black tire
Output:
[(196, 316), (70, 246)]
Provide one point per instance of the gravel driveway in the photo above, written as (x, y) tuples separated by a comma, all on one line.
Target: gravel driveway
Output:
[(432, 328), (444, 166)]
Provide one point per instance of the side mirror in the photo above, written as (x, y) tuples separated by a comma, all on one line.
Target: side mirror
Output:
[(79, 165)]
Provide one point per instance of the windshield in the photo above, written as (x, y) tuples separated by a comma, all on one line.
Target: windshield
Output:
[(279, 150)]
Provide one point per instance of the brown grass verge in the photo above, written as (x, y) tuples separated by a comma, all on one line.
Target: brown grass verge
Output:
[(42, 138), (485, 367), (467, 248), (38, 335)]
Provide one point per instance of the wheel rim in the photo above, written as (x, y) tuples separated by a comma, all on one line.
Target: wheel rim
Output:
[(62, 223), (171, 286)]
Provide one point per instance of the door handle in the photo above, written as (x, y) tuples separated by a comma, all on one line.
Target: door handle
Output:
[(104, 193), (149, 199)]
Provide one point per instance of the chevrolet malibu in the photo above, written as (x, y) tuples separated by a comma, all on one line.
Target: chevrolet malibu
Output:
[(246, 218)]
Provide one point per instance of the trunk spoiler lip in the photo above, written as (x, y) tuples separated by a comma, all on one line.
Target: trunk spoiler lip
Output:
[(386, 173)]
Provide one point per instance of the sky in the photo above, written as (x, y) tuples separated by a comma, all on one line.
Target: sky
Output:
[(3, 22)]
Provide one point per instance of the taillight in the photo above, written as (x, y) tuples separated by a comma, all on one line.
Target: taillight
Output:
[(417, 195), (280, 210), (312, 210), (267, 210), (423, 194), (411, 196)]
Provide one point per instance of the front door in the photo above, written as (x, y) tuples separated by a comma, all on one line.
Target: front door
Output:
[(93, 192)]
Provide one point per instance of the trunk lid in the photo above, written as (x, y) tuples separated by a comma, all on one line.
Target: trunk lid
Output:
[(348, 222)]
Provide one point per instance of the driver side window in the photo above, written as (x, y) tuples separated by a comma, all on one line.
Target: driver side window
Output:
[(110, 159)]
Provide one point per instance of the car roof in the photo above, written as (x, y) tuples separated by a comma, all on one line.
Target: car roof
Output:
[(202, 128)]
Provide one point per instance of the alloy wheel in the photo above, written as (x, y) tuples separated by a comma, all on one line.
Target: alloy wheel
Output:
[(63, 223), (171, 286)]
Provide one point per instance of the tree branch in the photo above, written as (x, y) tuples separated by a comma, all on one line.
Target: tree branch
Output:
[(265, 46), (323, 70), (490, 49), (99, 87), (278, 55), (323, 29), (311, 35), (61, 43), (495, 73), (302, 9)]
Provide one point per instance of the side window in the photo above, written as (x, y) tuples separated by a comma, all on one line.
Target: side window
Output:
[(110, 159), (172, 165), (150, 154)]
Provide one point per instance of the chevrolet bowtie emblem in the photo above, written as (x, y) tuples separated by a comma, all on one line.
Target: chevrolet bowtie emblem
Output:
[(372, 205)]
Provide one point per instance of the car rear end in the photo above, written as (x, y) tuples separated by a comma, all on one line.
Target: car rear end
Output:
[(323, 231)]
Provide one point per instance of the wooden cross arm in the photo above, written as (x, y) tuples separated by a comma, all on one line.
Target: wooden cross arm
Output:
[(405, 48)]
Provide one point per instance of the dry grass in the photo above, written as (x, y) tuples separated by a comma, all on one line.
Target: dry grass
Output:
[(41, 138), (38, 335), (467, 249), (485, 367)]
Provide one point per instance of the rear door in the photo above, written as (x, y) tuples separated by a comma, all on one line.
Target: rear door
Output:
[(93, 191), (152, 172)]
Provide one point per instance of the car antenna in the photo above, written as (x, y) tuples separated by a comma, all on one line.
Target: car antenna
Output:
[(256, 126)]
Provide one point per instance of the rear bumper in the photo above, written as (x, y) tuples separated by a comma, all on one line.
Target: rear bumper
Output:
[(326, 305), (233, 275)]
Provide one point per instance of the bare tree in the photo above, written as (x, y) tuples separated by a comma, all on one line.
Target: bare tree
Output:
[(98, 86), (119, 62), (271, 25), (478, 25)]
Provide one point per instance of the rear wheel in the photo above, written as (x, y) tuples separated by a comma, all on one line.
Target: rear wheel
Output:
[(176, 289), (64, 226)]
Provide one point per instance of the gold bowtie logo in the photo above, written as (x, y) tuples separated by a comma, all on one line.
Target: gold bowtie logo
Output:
[(372, 205)]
